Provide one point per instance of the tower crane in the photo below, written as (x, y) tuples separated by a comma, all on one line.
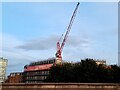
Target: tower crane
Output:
[(61, 46)]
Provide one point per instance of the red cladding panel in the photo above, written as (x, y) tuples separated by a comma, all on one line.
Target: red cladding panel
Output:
[(38, 67)]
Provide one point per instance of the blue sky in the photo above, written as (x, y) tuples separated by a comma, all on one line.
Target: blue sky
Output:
[(30, 31)]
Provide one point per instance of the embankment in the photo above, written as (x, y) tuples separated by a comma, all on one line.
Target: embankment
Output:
[(61, 86)]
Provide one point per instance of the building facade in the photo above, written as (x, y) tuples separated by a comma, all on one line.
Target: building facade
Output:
[(3, 66), (15, 77), (37, 72)]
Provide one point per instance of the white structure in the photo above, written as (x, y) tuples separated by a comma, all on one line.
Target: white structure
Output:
[(98, 62), (3, 65)]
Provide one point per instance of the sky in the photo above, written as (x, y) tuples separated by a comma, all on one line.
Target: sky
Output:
[(118, 33), (30, 31)]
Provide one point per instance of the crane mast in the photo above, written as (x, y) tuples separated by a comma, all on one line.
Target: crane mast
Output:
[(60, 47)]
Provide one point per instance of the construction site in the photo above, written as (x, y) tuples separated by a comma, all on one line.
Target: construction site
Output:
[(35, 73)]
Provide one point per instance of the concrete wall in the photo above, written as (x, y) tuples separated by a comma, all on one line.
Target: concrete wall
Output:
[(62, 86)]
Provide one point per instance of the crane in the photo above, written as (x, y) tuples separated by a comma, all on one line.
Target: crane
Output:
[(60, 47)]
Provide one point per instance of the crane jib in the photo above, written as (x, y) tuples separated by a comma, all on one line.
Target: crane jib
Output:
[(60, 47), (69, 27)]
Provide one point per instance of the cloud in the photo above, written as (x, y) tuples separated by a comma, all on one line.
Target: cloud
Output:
[(50, 42), (39, 44), (16, 58), (77, 41), (9, 41)]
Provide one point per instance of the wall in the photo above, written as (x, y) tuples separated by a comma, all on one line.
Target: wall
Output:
[(62, 86)]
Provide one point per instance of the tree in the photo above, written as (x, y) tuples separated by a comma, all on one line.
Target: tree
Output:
[(86, 71)]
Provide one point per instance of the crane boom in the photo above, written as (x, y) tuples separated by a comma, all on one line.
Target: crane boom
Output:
[(60, 47), (69, 27)]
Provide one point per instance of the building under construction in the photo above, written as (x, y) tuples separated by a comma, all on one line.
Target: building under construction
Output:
[(37, 72)]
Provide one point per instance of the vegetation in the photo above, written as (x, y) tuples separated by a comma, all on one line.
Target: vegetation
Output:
[(86, 71)]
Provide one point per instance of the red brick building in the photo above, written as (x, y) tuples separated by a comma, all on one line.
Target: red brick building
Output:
[(15, 78)]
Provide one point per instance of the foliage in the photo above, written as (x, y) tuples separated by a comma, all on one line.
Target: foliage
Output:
[(86, 71)]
